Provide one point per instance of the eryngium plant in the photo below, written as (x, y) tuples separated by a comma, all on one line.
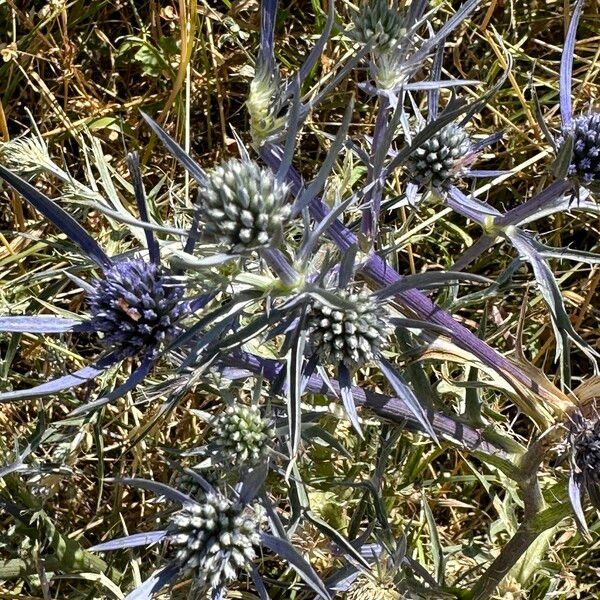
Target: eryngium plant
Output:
[(442, 157), (135, 307), (243, 206), (242, 435), (351, 336), (214, 539)]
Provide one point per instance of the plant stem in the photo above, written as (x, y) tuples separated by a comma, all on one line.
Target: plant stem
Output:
[(370, 216)]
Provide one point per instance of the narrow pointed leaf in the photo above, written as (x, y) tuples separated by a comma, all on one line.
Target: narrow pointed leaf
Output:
[(56, 215), (575, 494), (347, 397), (133, 161), (41, 324), (176, 150), (130, 541), (154, 584), (407, 395), (286, 551), (295, 359), (134, 379), (61, 383), (429, 280), (566, 68), (160, 489)]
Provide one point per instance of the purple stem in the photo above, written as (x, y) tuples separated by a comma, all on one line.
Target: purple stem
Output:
[(413, 300), (539, 201), (370, 216), (391, 408)]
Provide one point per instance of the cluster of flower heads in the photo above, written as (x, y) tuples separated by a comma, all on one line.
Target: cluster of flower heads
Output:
[(135, 307), (243, 206), (242, 434), (351, 336), (214, 539), (378, 24), (585, 161), (442, 157)]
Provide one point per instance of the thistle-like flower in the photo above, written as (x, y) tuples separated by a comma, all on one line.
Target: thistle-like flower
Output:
[(351, 336), (585, 160), (244, 206), (242, 434), (214, 539), (441, 158), (584, 445), (368, 588), (378, 24), (135, 306)]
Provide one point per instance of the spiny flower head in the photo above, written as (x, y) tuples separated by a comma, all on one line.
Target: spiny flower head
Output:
[(585, 447), (440, 159), (135, 306), (242, 434), (367, 588), (347, 335), (214, 539), (244, 206), (585, 162), (379, 24)]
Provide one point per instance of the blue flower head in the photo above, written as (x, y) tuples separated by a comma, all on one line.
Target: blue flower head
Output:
[(135, 307), (583, 132)]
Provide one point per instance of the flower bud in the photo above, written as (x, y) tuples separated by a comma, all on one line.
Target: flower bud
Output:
[(135, 307), (442, 157), (214, 539), (351, 336), (243, 206), (378, 24), (242, 434)]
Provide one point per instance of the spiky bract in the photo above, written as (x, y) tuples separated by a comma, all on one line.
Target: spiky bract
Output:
[(244, 206), (135, 306), (442, 157), (242, 434), (347, 335), (585, 161), (214, 539), (265, 102), (378, 24)]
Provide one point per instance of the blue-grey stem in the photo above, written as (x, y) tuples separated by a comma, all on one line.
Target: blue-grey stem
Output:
[(372, 200), (279, 263), (533, 205)]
